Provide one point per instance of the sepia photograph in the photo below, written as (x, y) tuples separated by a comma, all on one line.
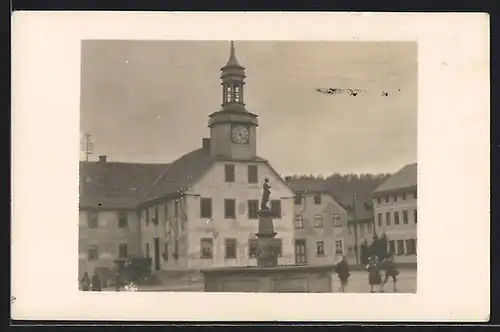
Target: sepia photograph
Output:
[(248, 166)]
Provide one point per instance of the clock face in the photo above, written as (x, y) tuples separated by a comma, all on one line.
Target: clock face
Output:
[(240, 134)]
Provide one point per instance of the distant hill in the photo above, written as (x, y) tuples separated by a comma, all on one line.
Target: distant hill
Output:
[(342, 186)]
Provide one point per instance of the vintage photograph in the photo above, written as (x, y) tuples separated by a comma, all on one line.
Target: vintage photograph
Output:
[(248, 166)]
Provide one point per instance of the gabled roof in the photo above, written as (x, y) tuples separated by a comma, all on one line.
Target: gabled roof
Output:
[(313, 186), (114, 185), (404, 178), (364, 209), (185, 171), (180, 174), (309, 185)]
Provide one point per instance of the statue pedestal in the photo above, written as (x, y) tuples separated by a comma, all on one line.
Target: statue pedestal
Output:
[(267, 255)]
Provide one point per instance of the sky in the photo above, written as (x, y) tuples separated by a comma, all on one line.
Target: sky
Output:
[(149, 101)]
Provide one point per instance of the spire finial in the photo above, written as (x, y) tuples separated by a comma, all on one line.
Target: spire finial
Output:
[(232, 49), (232, 57)]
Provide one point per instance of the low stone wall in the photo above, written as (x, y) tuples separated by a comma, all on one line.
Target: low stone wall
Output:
[(180, 277), (358, 267)]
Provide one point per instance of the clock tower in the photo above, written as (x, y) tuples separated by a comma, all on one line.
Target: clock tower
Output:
[(233, 128)]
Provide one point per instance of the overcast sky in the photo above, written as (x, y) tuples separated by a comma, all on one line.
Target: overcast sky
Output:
[(149, 101)]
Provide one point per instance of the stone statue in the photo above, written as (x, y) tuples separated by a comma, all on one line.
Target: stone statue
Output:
[(266, 192)]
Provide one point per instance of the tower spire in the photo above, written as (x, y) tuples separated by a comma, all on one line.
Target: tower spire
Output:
[(232, 62)]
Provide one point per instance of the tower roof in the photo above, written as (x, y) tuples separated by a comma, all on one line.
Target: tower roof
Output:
[(232, 62)]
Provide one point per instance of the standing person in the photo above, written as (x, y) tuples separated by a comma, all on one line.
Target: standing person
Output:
[(373, 269), (85, 282), (96, 283), (342, 269), (117, 281), (390, 272)]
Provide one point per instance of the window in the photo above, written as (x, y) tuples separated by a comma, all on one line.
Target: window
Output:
[(176, 208), (237, 93), (93, 221), (229, 170), (405, 217), (165, 251), (379, 219), (369, 228), (298, 199), (415, 215), (395, 198), (411, 248), (230, 208), (253, 207), (388, 218), (339, 247), (350, 251), (276, 207), (320, 248), (206, 248), (122, 220), (147, 250), (93, 253), (387, 199), (349, 229), (253, 175), (317, 199), (165, 209), (205, 207), (379, 200), (336, 220), (400, 247), (228, 94), (147, 216), (300, 252), (176, 249), (396, 217), (404, 197), (299, 221), (415, 194), (155, 215), (230, 248), (318, 221), (391, 245), (252, 248), (122, 250), (279, 245)]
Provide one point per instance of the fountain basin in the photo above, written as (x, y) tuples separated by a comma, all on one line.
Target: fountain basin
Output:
[(276, 279)]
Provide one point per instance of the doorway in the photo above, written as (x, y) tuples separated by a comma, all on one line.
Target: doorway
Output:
[(156, 248)]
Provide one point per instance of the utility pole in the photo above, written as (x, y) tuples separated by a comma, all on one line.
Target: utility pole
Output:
[(356, 251), (87, 145)]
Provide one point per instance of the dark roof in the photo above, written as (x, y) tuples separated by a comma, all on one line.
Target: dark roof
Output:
[(180, 174), (404, 178), (114, 185), (184, 172), (313, 186), (364, 210), (310, 185)]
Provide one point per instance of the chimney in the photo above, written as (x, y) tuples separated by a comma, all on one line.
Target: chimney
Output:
[(102, 159), (288, 178), (206, 144)]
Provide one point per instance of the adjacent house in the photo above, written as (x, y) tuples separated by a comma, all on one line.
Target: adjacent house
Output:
[(395, 208), (360, 228), (108, 221), (319, 222)]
